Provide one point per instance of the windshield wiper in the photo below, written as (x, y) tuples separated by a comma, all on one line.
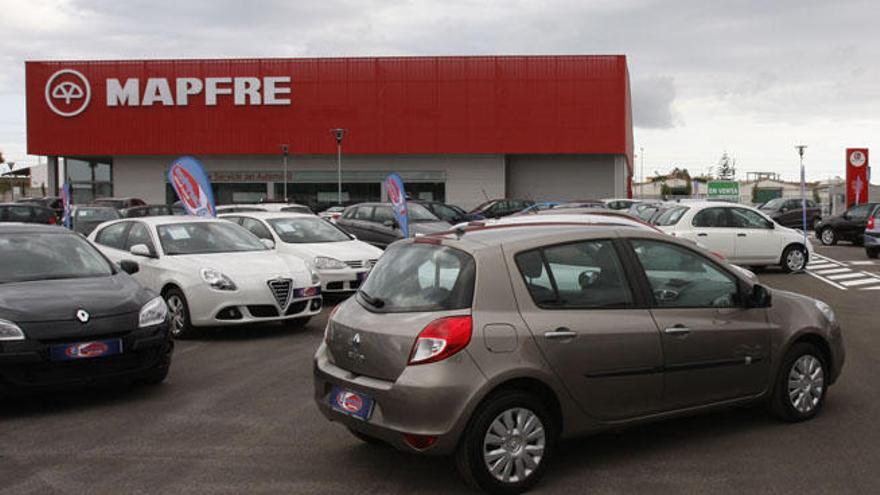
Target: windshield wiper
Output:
[(372, 301)]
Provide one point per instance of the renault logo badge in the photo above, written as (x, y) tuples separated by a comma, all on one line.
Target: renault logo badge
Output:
[(356, 340), (82, 315)]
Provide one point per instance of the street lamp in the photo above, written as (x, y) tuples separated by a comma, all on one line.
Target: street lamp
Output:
[(339, 134), (800, 149), (284, 149)]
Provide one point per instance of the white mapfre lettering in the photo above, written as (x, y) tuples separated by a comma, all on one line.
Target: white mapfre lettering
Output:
[(127, 95), (270, 90)]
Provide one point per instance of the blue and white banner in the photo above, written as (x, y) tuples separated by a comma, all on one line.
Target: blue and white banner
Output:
[(190, 181), (66, 219), (397, 196)]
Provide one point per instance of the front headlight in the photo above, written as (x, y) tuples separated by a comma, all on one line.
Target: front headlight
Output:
[(325, 263), (10, 331), (153, 313), (217, 280), (826, 311)]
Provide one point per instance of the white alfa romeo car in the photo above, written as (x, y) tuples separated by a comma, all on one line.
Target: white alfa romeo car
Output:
[(742, 234), (212, 272), (342, 262)]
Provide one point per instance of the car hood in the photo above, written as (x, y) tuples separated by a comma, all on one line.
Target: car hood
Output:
[(343, 251), (245, 265), (59, 300)]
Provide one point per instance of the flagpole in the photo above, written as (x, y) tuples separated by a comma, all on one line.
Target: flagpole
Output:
[(800, 149)]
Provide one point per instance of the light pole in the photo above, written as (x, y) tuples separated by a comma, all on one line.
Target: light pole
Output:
[(284, 149), (339, 134), (800, 149)]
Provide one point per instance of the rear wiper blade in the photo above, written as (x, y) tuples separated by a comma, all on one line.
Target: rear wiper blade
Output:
[(372, 301)]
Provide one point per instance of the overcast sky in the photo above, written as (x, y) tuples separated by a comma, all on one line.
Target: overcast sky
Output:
[(750, 77)]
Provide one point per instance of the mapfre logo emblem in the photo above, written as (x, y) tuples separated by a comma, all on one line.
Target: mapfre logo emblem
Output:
[(68, 93)]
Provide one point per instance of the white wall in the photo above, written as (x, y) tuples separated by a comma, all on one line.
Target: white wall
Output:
[(565, 177), (467, 176)]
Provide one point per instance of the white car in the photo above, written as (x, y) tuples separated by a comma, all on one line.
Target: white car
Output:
[(742, 234), (212, 272), (276, 207), (342, 262)]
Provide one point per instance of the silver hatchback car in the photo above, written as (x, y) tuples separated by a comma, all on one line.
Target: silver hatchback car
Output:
[(492, 343)]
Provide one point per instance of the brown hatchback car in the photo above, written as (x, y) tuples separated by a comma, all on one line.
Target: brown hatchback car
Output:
[(491, 343)]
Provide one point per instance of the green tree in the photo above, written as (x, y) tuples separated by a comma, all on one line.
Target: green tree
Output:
[(726, 169)]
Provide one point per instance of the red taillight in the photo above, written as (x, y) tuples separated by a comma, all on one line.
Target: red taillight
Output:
[(53, 220), (871, 223), (419, 442), (440, 339)]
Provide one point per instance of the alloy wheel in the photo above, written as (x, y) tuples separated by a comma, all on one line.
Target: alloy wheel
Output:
[(796, 260), (806, 383), (178, 314), (827, 237), (514, 445)]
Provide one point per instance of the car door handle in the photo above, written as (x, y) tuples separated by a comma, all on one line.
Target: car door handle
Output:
[(677, 330), (702, 234), (741, 234), (560, 334)]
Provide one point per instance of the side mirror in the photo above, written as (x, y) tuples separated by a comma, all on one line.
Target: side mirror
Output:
[(269, 243), (141, 250), (759, 297), (129, 267)]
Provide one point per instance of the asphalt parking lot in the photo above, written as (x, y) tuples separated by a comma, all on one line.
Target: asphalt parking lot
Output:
[(236, 416)]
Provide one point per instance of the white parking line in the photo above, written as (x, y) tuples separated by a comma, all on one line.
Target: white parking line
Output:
[(829, 282), (860, 263), (820, 266), (845, 276), (861, 281), (833, 270)]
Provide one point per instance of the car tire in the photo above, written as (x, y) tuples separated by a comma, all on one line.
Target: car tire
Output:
[(181, 326), (828, 236), (363, 437), (872, 253), (492, 420), (801, 384), (794, 259)]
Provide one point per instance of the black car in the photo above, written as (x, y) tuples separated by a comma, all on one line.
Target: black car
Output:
[(850, 226), (790, 212), (446, 212), (151, 211), (375, 223), (27, 213), (497, 208), (53, 202), (68, 316), (86, 217)]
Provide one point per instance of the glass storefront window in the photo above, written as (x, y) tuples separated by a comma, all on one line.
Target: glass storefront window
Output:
[(89, 179)]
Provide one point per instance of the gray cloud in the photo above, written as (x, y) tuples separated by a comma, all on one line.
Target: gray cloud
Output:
[(652, 101)]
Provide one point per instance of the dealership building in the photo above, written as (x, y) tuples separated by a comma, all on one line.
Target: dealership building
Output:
[(457, 129)]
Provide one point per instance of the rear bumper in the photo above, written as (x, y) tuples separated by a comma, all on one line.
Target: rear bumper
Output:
[(431, 400), (25, 365), (872, 240)]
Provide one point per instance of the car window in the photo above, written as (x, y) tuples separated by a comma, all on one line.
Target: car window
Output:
[(49, 256), (15, 213), (671, 216), (381, 214), (257, 228), (307, 230), (206, 237), (113, 236), (681, 278), (364, 213), (712, 218), (748, 219), (419, 277), (859, 212), (139, 234), (349, 213), (581, 275), (297, 209)]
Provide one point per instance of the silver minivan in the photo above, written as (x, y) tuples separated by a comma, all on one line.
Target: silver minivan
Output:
[(492, 343)]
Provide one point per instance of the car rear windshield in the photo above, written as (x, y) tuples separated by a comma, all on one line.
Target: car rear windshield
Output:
[(39, 256), (670, 216), (97, 214), (303, 230), (419, 277), (207, 238)]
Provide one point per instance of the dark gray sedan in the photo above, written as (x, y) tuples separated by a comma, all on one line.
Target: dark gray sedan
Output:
[(491, 343), (375, 223)]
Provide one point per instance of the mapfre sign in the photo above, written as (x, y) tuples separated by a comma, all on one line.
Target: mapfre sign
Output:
[(405, 105)]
